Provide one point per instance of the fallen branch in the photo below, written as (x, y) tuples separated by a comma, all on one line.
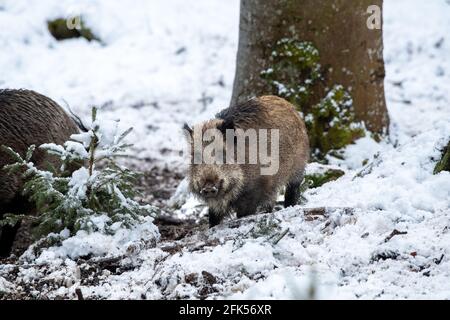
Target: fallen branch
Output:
[(315, 213), (395, 233), (282, 235)]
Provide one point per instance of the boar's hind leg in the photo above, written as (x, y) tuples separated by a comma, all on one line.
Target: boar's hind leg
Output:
[(292, 196)]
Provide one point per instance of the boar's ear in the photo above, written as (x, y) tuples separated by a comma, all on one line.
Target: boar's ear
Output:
[(187, 130), (226, 125)]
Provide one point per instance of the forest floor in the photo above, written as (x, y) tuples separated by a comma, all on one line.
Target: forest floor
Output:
[(157, 186), (381, 231)]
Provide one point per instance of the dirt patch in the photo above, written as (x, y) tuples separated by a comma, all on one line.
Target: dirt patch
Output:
[(175, 229), (157, 185)]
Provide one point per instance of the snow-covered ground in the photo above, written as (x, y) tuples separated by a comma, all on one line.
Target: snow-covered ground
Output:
[(163, 62), (166, 62)]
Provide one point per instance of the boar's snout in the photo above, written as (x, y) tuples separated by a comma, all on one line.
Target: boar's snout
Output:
[(211, 189)]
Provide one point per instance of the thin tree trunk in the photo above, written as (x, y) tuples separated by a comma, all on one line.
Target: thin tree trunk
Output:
[(351, 54)]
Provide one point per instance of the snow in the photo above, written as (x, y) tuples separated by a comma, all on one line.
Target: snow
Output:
[(5, 286), (97, 243), (79, 182), (76, 148), (160, 62)]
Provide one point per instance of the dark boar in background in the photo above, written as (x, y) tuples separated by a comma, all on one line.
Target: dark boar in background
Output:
[(26, 118)]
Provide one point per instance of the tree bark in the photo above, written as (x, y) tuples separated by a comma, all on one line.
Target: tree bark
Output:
[(351, 54)]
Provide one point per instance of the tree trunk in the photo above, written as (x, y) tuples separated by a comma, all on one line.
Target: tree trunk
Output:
[(351, 54)]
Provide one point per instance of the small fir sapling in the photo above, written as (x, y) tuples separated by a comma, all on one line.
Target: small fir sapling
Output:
[(67, 199)]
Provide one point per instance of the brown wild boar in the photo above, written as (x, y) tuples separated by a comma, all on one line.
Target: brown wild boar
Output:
[(26, 118), (242, 186)]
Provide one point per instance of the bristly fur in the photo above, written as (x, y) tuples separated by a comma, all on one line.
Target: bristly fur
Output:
[(241, 187), (76, 119), (239, 115)]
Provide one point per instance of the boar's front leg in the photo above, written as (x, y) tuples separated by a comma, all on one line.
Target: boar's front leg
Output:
[(293, 194), (215, 217)]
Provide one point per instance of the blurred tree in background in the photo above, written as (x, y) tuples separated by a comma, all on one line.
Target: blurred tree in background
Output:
[(323, 56)]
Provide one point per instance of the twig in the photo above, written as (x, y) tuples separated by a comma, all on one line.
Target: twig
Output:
[(369, 168), (438, 261), (282, 235), (395, 233)]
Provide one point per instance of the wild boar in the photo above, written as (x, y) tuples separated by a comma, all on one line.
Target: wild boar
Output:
[(26, 118), (243, 186)]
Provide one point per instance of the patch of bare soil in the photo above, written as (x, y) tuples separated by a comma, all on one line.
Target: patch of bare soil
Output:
[(157, 185), (175, 229)]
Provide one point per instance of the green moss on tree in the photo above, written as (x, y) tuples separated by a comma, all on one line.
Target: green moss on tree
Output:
[(444, 163), (331, 123), (295, 69), (294, 75), (59, 28)]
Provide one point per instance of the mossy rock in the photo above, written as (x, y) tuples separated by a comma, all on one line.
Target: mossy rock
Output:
[(60, 30), (316, 180), (294, 74), (444, 163)]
